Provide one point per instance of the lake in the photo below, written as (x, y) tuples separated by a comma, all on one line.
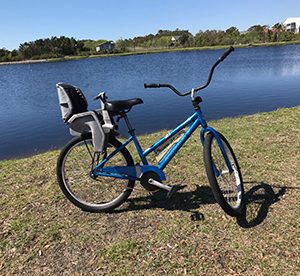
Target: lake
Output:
[(250, 80)]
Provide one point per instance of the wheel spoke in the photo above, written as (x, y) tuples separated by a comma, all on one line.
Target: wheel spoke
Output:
[(229, 184), (95, 192)]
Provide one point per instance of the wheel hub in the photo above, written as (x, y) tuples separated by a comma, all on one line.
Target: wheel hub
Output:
[(93, 176)]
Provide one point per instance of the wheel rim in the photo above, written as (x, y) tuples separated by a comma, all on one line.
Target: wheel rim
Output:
[(86, 189), (230, 184)]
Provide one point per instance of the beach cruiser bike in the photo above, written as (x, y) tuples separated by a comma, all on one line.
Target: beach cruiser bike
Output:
[(97, 173)]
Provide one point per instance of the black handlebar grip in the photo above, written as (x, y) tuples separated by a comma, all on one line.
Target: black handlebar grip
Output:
[(151, 85), (231, 49)]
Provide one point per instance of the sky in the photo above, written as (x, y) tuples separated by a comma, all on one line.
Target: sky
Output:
[(28, 20)]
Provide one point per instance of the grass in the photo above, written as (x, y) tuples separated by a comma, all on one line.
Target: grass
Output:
[(153, 51), (41, 232)]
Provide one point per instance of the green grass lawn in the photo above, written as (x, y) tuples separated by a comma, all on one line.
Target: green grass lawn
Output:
[(43, 233)]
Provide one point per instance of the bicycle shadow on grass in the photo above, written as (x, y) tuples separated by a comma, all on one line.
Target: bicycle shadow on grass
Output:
[(258, 201), (184, 201)]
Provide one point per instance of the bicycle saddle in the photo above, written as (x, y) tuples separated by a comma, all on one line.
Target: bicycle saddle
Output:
[(123, 105)]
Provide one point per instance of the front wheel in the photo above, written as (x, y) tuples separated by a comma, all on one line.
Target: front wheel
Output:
[(227, 187), (81, 187)]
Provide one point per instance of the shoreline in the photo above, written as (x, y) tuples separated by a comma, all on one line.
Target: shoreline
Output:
[(224, 119), (150, 51)]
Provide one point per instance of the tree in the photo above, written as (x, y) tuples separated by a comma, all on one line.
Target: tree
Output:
[(233, 35), (183, 39), (210, 38), (51, 47), (278, 26), (121, 45), (280, 34), (233, 31)]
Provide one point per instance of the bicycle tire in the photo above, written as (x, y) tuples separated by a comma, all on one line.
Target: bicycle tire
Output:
[(223, 195), (81, 161)]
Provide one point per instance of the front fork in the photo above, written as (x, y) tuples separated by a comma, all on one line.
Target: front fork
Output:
[(221, 146)]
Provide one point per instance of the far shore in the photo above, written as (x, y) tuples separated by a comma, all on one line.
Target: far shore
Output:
[(150, 51)]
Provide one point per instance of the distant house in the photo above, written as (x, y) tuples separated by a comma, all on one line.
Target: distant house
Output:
[(105, 46), (292, 24), (175, 38), (181, 38)]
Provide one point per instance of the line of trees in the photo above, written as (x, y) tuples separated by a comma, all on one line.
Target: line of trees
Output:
[(43, 49), (50, 47), (64, 46), (231, 36)]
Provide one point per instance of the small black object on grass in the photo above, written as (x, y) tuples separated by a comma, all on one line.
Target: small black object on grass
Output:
[(197, 216)]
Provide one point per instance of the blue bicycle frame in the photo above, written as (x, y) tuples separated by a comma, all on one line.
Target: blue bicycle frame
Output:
[(135, 172)]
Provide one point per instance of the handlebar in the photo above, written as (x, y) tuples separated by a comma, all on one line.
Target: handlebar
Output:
[(227, 53), (158, 85), (152, 85)]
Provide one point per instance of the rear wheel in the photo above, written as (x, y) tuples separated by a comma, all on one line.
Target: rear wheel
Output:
[(88, 192), (227, 187)]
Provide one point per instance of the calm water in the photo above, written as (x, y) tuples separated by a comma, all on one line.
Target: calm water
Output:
[(250, 80)]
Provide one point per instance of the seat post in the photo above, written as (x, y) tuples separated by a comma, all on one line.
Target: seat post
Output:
[(130, 129)]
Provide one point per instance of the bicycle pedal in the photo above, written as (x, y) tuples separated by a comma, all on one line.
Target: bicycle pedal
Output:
[(174, 189)]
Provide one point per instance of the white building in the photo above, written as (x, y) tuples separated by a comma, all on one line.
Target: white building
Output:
[(105, 46), (175, 38), (292, 24)]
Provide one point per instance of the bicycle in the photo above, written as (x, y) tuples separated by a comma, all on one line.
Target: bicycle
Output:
[(110, 169)]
